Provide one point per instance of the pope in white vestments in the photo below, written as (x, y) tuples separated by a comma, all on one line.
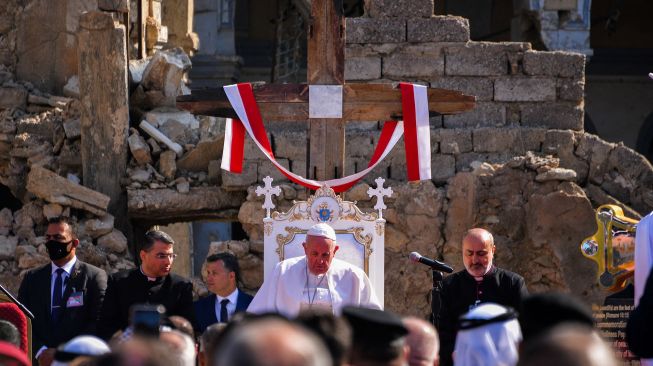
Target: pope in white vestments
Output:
[(314, 281)]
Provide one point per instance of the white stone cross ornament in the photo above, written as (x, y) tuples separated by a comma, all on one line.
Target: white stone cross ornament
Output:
[(379, 192), (268, 191)]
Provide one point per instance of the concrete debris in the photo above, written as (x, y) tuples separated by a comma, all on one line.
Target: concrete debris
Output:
[(71, 89), (164, 73), (139, 148), (199, 158), (73, 128)]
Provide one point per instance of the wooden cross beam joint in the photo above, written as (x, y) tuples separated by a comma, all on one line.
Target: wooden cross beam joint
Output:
[(289, 102), (325, 66)]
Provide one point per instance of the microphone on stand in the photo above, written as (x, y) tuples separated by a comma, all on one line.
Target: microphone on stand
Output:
[(434, 264)]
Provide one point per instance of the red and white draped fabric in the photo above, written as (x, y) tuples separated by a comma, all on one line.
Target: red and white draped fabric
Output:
[(415, 126)]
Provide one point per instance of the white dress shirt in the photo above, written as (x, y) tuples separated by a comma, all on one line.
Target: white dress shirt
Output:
[(231, 305)]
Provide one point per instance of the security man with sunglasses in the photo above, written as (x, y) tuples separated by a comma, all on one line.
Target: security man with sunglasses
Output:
[(151, 283), (65, 295)]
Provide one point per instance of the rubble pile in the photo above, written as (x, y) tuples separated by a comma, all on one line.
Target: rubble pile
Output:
[(40, 163)]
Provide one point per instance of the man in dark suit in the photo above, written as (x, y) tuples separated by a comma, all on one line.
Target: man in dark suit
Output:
[(65, 295), (151, 283), (222, 278)]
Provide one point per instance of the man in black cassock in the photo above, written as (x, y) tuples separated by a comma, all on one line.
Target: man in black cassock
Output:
[(478, 283), (151, 283)]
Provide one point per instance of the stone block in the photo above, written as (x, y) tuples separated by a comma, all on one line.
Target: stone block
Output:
[(290, 145), (556, 174), (481, 58), (160, 116), (72, 128), (198, 159), (532, 138), (168, 164), (558, 63), (140, 149), (413, 66), (214, 177), (455, 141), (369, 30), (52, 210), (8, 247), (559, 143), (464, 161), (495, 139), (483, 115), (114, 242), (362, 68), (515, 89), (443, 167), (595, 151), (6, 221), (438, 29), (268, 169), (553, 115), (232, 181), (480, 87), (399, 8), (100, 226), (13, 98), (571, 89), (164, 73)]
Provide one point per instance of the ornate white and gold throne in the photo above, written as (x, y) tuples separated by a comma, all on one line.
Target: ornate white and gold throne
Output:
[(360, 235)]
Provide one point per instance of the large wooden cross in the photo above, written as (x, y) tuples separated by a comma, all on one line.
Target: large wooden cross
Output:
[(326, 63)]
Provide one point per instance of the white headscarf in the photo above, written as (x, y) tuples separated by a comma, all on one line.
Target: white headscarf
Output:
[(84, 345), (491, 344)]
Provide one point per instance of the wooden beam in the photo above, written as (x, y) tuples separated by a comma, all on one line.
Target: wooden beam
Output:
[(289, 102), (325, 66)]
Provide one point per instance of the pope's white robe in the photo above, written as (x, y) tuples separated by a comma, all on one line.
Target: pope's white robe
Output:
[(283, 291)]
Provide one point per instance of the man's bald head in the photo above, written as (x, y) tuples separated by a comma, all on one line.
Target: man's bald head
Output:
[(568, 345), (478, 251), (272, 342), (423, 342)]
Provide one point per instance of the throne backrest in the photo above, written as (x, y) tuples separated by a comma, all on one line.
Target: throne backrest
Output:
[(360, 236)]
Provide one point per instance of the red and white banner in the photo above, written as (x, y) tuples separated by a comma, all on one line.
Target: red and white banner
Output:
[(417, 141)]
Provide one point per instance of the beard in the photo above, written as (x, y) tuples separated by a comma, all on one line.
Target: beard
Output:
[(478, 269)]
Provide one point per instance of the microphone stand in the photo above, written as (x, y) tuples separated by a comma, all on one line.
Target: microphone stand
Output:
[(15, 301), (436, 300)]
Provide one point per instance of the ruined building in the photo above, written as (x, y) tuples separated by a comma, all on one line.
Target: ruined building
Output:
[(76, 87)]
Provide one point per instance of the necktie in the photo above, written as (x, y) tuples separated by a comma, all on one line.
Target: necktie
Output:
[(224, 317), (57, 296)]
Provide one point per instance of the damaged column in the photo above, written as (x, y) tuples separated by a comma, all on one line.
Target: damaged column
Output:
[(105, 116)]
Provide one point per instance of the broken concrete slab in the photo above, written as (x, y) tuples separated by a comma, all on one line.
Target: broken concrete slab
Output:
[(53, 188), (199, 158)]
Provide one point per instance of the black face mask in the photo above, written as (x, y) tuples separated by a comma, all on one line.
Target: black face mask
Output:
[(57, 249)]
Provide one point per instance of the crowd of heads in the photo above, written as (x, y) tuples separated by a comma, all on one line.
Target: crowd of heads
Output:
[(489, 334)]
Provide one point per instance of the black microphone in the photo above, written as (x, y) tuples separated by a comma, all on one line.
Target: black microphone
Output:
[(436, 265)]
